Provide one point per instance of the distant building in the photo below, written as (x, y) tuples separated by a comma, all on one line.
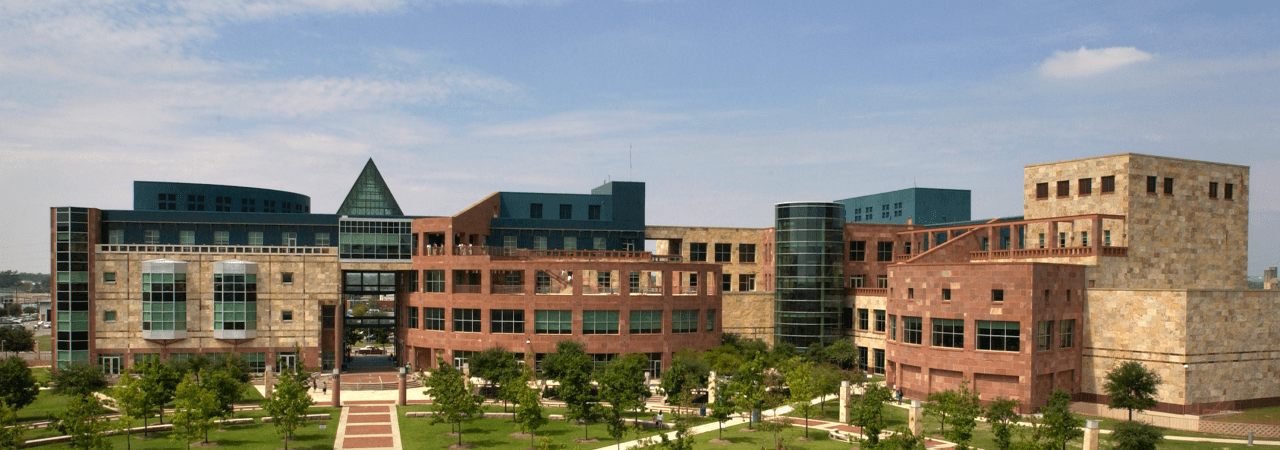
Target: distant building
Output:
[(920, 206)]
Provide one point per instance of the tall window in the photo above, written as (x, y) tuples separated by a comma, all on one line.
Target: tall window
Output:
[(726, 282), (1042, 191), (1066, 330), (433, 281), (508, 321), (747, 253), (412, 317), (1213, 189), (535, 210), (857, 250), (164, 296), (433, 319), (187, 237), (599, 322), (724, 252), (566, 212), (646, 322), (1168, 186), (1044, 335), (553, 321), (1228, 191), (882, 281), (466, 320), (879, 320), (747, 282), (912, 330), (1108, 184), (289, 239), (1064, 188), (711, 320), (864, 322), (570, 243), (884, 251), (998, 336), (1085, 186), (698, 251), (1151, 185), (593, 212), (948, 333), (684, 321), (235, 296), (893, 327)]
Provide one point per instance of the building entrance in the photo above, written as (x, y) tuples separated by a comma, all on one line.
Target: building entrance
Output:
[(367, 339)]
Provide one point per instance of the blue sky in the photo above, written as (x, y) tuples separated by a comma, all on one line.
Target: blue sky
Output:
[(727, 107)]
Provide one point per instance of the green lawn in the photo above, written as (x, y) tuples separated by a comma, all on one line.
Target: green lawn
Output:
[(416, 433), (256, 436), (41, 374), (44, 407), (1260, 415), (743, 440), (43, 343)]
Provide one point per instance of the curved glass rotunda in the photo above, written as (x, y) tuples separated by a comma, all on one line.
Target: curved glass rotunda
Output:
[(809, 240)]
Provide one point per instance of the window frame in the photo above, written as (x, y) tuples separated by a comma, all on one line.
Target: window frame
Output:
[(913, 326), (880, 320), (986, 338), (747, 253), (468, 320), (506, 321), (1044, 335), (857, 250), (1042, 191), (946, 333), (1066, 333), (698, 252), (864, 319), (884, 251), (1151, 184), (433, 319), (684, 321), (552, 321), (723, 252)]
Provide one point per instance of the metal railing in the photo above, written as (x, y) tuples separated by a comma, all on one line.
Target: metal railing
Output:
[(248, 249)]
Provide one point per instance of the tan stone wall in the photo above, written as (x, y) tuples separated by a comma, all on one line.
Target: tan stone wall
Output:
[(316, 279), (868, 338), (716, 235), (1148, 326), (1233, 345), (748, 314)]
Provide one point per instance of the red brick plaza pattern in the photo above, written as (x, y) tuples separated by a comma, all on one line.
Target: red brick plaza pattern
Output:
[(368, 427)]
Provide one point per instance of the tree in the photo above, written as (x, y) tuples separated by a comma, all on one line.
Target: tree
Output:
[(159, 384), (11, 434), (194, 412), (828, 378), (688, 372), (750, 387), (724, 406), (451, 395), (868, 414), (724, 359), (78, 380), (903, 439), (1061, 426), (843, 354), (82, 421), (1132, 435), (17, 339), (571, 366), (13, 309), (1132, 386), (9, 279), (964, 411), (939, 404), (622, 386), (289, 401), (804, 387), (226, 389), (29, 310), (18, 387), (132, 404), (496, 366), (1001, 414), (528, 400)]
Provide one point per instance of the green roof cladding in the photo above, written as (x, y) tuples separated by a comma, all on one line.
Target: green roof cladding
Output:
[(370, 196)]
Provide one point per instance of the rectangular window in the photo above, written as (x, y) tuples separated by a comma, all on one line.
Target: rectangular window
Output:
[(1168, 186), (108, 277), (540, 242), (882, 281), (151, 237), (893, 328), (846, 318), (746, 253), (864, 319), (1041, 240), (1064, 188), (1228, 191), (998, 336), (726, 282), (593, 212), (877, 361), (599, 322), (1108, 184), (1046, 295), (597, 243), (1044, 335), (698, 252), (1085, 186), (535, 210), (553, 321), (911, 293), (684, 321), (948, 333), (879, 320), (411, 313), (1084, 238), (862, 358), (286, 277), (433, 319), (857, 281), (635, 282), (510, 242), (1042, 191), (566, 212), (997, 295), (255, 238), (912, 330), (1062, 239), (1066, 330), (187, 237), (289, 239), (884, 251), (646, 322), (506, 321), (711, 320), (433, 281), (466, 320), (747, 282), (108, 316), (1213, 189), (570, 243), (1151, 185), (857, 250), (286, 315), (946, 294), (1106, 238), (322, 239), (115, 237), (724, 252)]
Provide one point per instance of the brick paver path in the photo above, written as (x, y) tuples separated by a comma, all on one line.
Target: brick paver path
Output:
[(368, 426)]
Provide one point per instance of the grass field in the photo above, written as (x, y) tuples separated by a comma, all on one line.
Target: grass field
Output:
[(256, 436), (416, 433), (1260, 415)]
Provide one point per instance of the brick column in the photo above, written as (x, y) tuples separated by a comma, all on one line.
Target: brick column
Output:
[(1052, 234), (402, 400), (916, 418), (337, 388), (1096, 244), (991, 240), (1090, 435)]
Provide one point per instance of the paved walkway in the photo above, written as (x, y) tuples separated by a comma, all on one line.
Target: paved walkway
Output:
[(368, 426)]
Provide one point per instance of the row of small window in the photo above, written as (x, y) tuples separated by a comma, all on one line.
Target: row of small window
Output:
[(991, 335), (722, 252), (1084, 186), (569, 243), (256, 360), (870, 212), (746, 282), (997, 295), (160, 312), (858, 251), (566, 211), (860, 281), (177, 282), (188, 237), (223, 204), (512, 321)]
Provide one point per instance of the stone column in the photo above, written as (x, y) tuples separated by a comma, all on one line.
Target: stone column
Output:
[(268, 378), (916, 418), (1096, 229), (844, 401), (711, 388), (337, 388), (1052, 236), (1090, 435), (403, 398)]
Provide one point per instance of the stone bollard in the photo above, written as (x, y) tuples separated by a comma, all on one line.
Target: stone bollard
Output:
[(1251, 438), (268, 379), (1090, 435), (844, 401), (403, 399), (337, 388), (711, 388), (916, 415)]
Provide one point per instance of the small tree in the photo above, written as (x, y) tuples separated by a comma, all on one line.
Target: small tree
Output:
[(571, 366), (749, 386), (804, 387), (1132, 386), (227, 390), (78, 380), (964, 411), (1061, 426), (289, 401), (159, 383), (451, 395), (81, 420), (18, 387), (903, 439), (828, 378), (939, 404), (689, 371), (194, 412), (1132, 435), (529, 415), (496, 366), (725, 404), (11, 434), (131, 403), (17, 339), (868, 414), (1001, 414), (622, 386)]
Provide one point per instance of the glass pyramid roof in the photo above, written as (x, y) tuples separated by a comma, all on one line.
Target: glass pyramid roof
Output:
[(370, 196)]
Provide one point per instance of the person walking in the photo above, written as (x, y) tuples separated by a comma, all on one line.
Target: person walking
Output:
[(657, 422)]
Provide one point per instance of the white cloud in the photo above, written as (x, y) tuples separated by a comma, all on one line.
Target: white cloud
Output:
[(1085, 62)]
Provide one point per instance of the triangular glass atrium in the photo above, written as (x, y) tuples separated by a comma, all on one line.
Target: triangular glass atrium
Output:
[(370, 196)]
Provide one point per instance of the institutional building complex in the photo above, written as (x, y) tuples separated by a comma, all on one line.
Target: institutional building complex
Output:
[(1116, 258)]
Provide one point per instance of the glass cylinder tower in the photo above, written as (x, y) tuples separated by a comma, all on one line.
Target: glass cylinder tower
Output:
[(809, 266)]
